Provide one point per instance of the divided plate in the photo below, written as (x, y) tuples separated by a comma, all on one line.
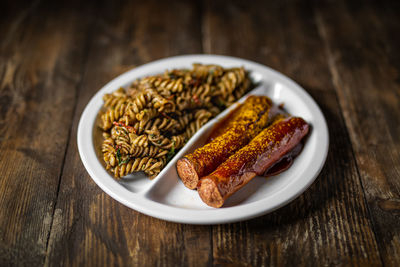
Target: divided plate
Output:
[(165, 197)]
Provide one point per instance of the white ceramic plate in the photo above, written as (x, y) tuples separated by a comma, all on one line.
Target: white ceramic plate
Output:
[(165, 197)]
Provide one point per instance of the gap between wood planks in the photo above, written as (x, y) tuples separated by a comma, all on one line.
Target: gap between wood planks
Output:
[(83, 70), (336, 81)]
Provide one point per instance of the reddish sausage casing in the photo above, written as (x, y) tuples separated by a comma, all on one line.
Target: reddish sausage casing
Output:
[(253, 117), (254, 159)]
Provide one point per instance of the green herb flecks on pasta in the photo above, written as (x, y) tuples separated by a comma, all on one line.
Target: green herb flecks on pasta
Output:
[(145, 125)]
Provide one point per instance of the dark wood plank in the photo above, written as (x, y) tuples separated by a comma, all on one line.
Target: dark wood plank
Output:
[(329, 224), (90, 228), (40, 69), (362, 43)]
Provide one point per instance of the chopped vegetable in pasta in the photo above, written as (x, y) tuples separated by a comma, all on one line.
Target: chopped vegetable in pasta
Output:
[(145, 125)]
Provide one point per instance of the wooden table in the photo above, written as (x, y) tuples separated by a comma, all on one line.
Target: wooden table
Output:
[(54, 57)]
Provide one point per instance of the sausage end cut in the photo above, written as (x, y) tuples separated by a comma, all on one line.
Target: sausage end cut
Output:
[(187, 173), (209, 192)]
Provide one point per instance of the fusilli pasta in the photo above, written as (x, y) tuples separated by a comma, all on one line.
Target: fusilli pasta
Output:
[(146, 124)]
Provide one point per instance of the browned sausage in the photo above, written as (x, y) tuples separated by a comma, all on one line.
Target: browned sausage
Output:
[(254, 116), (276, 112), (254, 159), (223, 125)]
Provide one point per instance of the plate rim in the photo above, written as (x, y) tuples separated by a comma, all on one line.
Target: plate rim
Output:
[(155, 209)]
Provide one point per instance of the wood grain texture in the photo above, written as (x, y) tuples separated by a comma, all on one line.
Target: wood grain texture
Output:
[(55, 56), (329, 224), (40, 69), (362, 50), (90, 228)]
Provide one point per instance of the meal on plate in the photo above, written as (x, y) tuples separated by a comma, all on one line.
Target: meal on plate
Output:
[(259, 139), (146, 124)]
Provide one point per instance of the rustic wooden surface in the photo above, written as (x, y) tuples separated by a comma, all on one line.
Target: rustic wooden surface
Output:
[(54, 57)]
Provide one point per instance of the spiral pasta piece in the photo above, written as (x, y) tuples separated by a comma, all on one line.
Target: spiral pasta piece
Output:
[(112, 115), (149, 151), (201, 117), (140, 140), (230, 80), (139, 102), (162, 124), (178, 141), (111, 100), (108, 149), (157, 139), (173, 85), (145, 115), (207, 71), (184, 121), (146, 164)]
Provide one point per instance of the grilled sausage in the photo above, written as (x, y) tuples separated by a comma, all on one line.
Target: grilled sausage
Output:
[(254, 159), (254, 116)]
